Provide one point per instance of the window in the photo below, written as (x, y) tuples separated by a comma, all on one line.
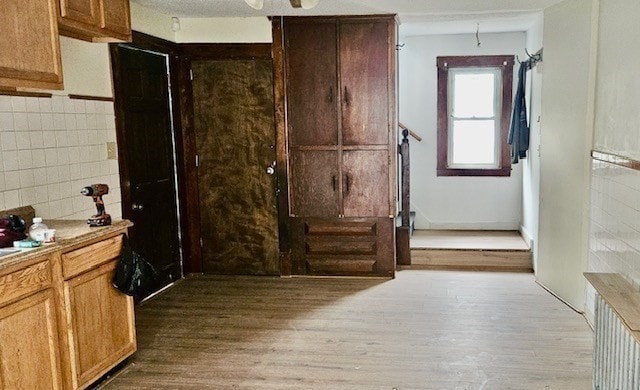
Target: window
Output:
[(474, 108)]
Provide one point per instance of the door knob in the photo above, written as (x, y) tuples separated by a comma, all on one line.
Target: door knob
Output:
[(271, 169), (137, 207)]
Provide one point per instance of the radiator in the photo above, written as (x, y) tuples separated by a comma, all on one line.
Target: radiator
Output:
[(616, 355)]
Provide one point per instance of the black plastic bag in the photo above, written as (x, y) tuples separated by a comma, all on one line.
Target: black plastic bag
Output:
[(134, 275), (12, 228)]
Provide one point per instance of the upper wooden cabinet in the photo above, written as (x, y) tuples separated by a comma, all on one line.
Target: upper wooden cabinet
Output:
[(312, 83), (29, 44), (95, 20), (364, 76), (339, 104)]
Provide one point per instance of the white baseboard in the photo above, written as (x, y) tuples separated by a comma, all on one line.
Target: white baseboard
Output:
[(526, 236)]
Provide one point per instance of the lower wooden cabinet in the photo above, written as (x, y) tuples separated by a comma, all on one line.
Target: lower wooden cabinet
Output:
[(29, 355), (62, 323), (101, 321)]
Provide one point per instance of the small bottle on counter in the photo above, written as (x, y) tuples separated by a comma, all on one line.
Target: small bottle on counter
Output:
[(37, 230)]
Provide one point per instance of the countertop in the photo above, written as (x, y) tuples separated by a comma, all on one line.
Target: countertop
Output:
[(68, 233)]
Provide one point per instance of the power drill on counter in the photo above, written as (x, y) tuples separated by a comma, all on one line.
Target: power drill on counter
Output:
[(97, 191)]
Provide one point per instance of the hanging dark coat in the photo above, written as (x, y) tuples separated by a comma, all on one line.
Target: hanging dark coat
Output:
[(519, 129)]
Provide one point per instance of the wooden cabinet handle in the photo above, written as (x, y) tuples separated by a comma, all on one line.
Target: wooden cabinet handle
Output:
[(330, 94), (346, 183), (333, 182), (346, 95)]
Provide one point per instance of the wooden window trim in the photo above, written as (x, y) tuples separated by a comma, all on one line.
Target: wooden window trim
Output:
[(506, 64)]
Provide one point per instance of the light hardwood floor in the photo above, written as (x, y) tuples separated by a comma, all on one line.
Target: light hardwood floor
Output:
[(423, 330)]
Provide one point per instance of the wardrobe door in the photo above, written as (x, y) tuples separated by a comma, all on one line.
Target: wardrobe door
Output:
[(312, 103), (315, 183), (364, 77), (365, 183)]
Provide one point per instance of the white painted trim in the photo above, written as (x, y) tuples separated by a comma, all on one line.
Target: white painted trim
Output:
[(526, 237)]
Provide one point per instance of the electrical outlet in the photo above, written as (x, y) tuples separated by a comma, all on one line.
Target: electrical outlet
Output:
[(111, 151)]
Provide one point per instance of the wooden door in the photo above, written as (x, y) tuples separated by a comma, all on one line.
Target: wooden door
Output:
[(364, 76), (146, 154), (29, 357), (365, 183), (315, 183), (102, 322), (312, 83), (235, 137)]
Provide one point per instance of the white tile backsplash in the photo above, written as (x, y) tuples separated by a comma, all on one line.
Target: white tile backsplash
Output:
[(50, 148), (614, 236)]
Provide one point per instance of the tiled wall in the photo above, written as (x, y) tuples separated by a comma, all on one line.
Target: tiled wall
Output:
[(52, 147), (614, 238)]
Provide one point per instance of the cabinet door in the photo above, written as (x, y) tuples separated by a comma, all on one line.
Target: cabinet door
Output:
[(315, 183), (29, 357), (83, 11), (29, 47), (364, 73), (115, 17), (312, 103), (365, 176), (102, 323)]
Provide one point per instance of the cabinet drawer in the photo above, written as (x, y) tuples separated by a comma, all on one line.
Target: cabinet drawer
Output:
[(91, 256), (26, 281)]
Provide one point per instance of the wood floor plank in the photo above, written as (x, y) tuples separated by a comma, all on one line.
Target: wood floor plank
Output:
[(422, 330), (471, 260)]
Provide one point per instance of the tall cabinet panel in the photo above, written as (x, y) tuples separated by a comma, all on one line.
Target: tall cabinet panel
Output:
[(314, 183), (364, 73), (366, 174), (339, 113), (312, 83)]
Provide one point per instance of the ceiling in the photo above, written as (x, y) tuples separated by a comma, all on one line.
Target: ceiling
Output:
[(417, 17)]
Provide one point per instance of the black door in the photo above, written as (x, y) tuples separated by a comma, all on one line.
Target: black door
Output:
[(146, 156)]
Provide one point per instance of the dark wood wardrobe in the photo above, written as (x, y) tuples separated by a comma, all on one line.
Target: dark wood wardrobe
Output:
[(335, 110)]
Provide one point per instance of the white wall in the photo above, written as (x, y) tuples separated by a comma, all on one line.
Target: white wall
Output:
[(224, 30), (86, 68), (614, 240), (151, 22), (566, 139), (531, 165), (200, 30), (452, 202)]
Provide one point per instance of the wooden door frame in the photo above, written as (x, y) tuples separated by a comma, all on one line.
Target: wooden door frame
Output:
[(189, 243)]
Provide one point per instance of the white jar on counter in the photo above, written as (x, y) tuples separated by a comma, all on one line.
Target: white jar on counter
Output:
[(37, 230)]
